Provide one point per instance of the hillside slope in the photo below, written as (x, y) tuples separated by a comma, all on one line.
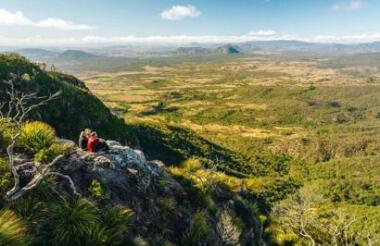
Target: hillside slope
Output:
[(76, 108)]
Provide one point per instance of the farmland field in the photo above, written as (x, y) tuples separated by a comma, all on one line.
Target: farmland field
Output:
[(326, 119)]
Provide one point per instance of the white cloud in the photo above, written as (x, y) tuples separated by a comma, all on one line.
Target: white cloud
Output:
[(8, 18), (185, 39), (262, 33), (61, 24), (177, 13), (352, 5), (19, 19), (180, 40)]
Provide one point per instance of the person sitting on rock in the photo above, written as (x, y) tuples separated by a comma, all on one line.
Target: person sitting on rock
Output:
[(96, 144), (83, 138)]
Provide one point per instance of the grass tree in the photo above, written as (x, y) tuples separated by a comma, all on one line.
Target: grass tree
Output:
[(12, 229)]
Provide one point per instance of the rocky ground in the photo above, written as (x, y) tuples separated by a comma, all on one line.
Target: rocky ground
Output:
[(163, 208)]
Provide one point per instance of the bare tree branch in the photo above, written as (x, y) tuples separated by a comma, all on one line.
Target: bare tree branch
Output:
[(68, 178), (16, 192), (19, 105)]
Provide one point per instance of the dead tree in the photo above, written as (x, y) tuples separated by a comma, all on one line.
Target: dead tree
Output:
[(297, 213), (14, 108), (343, 232), (228, 232)]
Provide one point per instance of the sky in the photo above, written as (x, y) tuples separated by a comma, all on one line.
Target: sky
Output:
[(70, 22)]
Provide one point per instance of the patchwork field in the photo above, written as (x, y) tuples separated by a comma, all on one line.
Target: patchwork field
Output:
[(326, 119), (261, 104)]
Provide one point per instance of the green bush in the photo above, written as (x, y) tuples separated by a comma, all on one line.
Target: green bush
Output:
[(80, 222), (6, 130), (97, 189), (12, 229), (192, 165), (30, 208), (71, 222), (116, 220), (95, 235), (5, 176), (36, 136), (3, 127), (198, 232), (46, 155)]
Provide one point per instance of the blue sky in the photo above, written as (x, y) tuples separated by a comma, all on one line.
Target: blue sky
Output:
[(123, 21)]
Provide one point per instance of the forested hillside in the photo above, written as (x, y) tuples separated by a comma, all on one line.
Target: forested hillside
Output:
[(76, 108)]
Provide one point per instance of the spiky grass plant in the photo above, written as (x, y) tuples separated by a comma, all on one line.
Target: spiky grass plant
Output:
[(198, 232), (12, 229), (36, 136), (71, 222), (116, 221)]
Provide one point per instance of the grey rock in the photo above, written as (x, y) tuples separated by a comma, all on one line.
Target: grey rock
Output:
[(118, 166), (66, 142)]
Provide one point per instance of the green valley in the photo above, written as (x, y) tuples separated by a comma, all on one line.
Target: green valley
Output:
[(297, 120)]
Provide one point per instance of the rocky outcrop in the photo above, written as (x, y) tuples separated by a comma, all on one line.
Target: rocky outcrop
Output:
[(164, 210), (131, 181), (118, 168)]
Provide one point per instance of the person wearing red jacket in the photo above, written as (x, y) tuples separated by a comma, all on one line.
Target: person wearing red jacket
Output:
[(95, 144), (92, 142)]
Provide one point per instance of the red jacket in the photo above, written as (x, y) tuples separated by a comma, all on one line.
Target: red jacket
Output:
[(91, 143)]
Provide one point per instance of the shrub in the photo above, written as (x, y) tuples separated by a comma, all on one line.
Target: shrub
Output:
[(192, 165), (6, 130), (227, 230), (97, 189), (95, 235), (5, 176), (342, 118), (198, 232), (46, 155), (71, 221), (371, 80), (164, 184), (334, 104), (116, 221), (36, 136), (166, 205), (30, 208), (3, 128), (12, 229)]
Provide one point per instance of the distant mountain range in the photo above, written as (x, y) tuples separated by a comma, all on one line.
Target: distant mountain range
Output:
[(319, 48), (47, 55), (37, 54), (227, 49), (76, 55), (198, 49), (192, 51), (281, 46)]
